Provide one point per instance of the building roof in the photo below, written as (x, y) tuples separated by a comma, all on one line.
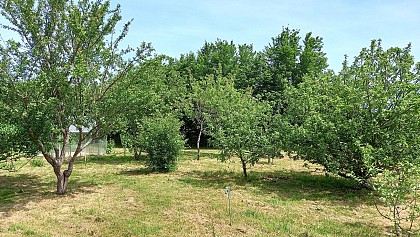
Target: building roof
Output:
[(74, 129)]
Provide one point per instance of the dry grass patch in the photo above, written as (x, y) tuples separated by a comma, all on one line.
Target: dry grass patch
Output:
[(117, 196)]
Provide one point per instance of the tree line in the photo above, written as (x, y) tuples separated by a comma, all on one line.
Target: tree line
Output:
[(67, 68)]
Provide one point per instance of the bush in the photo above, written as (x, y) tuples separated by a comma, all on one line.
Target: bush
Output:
[(110, 146), (37, 162), (398, 190), (162, 142)]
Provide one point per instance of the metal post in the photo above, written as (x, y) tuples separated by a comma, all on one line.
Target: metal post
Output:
[(228, 196)]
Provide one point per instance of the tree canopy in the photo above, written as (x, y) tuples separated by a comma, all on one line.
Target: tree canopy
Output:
[(374, 103), (62, 72), (240, 127)]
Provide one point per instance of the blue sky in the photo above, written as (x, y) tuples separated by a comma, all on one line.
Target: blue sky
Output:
[(181, 26)]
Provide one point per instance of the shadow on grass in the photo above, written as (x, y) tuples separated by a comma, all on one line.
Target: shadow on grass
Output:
[(288, 185), (145, 171), (136, 172), (113, 159), (19, 189), (191, 154)]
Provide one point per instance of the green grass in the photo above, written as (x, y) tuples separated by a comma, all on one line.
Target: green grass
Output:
[(116, 195)]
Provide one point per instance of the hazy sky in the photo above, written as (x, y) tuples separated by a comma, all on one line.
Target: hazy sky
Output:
[(181, 26)]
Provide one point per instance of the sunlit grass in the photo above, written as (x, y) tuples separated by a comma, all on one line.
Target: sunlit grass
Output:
[(116, 195)]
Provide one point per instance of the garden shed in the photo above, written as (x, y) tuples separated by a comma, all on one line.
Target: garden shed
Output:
[(96, 147)]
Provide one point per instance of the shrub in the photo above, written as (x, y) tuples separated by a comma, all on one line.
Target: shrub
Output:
[(162, 142), (37, 162), (110, 146), (398, 190)]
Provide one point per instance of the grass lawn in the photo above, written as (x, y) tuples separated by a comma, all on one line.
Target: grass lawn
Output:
[(117, 196)]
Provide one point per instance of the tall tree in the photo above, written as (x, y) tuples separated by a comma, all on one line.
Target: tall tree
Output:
[(62, 72), (217, 59), (287, 61), (214, 57), (249, 67)]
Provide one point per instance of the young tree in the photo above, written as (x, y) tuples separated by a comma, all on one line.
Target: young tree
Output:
[(398, 190), (218, 59), (64, 71), (242, 127), (204, 103)]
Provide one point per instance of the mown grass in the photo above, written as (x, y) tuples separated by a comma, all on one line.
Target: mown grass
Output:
[(116, 195)]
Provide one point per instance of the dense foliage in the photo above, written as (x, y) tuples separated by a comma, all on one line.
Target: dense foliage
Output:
[(14, 143), (11, 147), (241, 126), (163, 142), (284, 63), (373, 103), (364, 123), (205, 101), (152, 89)]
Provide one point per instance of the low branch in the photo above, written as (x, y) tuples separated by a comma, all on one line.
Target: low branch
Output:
[(41, 147)]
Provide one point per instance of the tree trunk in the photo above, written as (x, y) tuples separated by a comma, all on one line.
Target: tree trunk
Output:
[(137, 153), (244, 167), (199, 139), (62, 181), (63, 177)]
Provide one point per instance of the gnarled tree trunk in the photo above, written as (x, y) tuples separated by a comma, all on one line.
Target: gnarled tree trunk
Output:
[(63, 177), (62, 181)]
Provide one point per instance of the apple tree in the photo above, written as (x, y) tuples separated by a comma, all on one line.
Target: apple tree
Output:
[(63, 70)]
